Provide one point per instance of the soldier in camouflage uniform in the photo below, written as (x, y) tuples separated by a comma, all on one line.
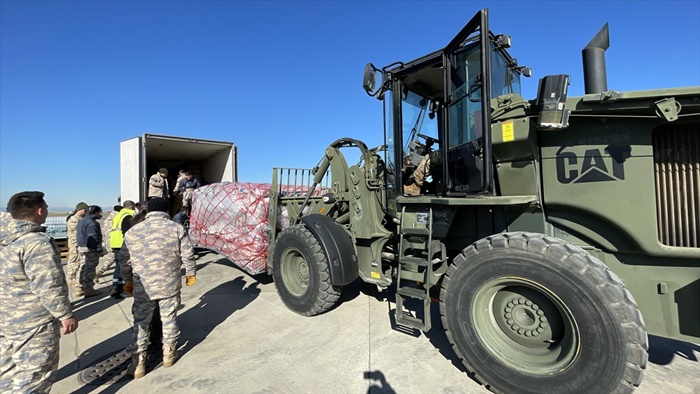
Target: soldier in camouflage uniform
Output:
[(158, 185), (151, 257), (108, 259), (73, 258), (34, 301)]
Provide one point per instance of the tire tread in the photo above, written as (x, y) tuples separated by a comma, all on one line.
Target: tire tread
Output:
[(584, 263)]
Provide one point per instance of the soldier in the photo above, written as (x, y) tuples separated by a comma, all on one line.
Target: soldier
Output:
[(90, 251), (34, 301), (187, 187), (73, 257), (116, 239), (151, 257), (177, 197), (158, 185), (423, 170), (110, 255)]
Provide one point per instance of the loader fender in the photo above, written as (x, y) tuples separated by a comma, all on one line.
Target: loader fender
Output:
[(337, 245)]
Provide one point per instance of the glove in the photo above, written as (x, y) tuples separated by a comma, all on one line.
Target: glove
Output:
[(190, 280), (129, 287)]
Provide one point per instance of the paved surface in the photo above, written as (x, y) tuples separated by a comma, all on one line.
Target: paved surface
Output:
[(238, 337)]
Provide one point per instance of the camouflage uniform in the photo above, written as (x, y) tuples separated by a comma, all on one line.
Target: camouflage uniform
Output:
[(33, 298), (151, 257), (158, 186), (73, 257), (108, 258), (177, 196)]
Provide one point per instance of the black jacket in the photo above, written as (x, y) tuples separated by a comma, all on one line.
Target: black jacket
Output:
[(189, 184), (89, 233)]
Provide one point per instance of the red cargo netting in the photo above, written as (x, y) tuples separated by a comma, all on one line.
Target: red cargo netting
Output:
[(231, 218)]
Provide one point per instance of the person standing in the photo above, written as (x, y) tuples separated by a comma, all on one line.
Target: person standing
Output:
[(187, 187), (158, 185), (110, 256), (116, 239), (90, 250), (73, 256), (34, 303), (151, 258), (177, 197)]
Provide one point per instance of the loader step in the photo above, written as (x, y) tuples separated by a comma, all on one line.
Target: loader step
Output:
[(410, 321), (412, 292), (415, 231), (421, 262)]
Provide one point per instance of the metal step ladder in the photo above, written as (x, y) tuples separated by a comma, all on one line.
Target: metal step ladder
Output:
[(420, 241)]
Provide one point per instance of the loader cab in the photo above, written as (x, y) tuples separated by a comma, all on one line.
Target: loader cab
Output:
[(438, 106)]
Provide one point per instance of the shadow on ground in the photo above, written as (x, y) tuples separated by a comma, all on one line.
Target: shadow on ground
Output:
[(663, 350), (377, 383), (103, 366)]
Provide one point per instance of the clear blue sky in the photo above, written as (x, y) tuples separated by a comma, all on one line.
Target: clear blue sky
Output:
[(279, 79)]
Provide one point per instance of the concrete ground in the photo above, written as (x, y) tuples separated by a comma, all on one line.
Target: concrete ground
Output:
[(238, 337)]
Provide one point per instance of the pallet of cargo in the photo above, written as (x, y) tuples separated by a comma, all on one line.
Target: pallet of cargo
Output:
[(62, 244)]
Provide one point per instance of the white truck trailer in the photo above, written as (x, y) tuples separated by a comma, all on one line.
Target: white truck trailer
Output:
[(141, 157)]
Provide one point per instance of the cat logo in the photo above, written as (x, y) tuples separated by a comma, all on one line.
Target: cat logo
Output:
[(593, 167)]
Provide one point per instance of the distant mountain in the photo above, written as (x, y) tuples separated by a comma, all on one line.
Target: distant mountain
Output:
[(71, 209)]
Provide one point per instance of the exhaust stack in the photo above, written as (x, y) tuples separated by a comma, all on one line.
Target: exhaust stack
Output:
[(594, 73)]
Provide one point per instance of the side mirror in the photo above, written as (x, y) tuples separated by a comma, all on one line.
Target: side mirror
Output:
[(551, 98), (369, 81)]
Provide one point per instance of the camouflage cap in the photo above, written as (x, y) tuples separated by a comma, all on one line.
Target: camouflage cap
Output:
[(81, 205)]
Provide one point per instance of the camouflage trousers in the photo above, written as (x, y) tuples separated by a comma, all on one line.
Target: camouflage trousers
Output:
[(73, 265), (187, 197), (89, 259), (29, 361), (425, 167), (107, 260), (142, 310)]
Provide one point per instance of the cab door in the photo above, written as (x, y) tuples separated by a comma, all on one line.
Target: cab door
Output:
[(467, 163)]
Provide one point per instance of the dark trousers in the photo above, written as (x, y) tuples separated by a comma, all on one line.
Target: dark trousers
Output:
[(117, 275)]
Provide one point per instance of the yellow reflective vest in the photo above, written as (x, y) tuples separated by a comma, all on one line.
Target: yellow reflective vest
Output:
[(116, 237)]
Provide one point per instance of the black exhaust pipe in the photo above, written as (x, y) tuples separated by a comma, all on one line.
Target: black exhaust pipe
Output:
[(594, 75)]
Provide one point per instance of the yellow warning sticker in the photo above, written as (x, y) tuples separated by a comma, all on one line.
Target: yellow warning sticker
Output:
[(508, 134), (375, 275)]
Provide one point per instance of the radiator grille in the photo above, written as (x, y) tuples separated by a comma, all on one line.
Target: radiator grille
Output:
[(677, 171)]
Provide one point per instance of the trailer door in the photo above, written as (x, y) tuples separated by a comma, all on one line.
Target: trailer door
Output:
[(131, 170)]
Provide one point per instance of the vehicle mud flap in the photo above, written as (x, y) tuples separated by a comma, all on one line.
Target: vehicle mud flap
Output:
[(338, 246)]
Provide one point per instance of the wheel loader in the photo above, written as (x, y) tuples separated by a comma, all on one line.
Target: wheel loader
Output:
[(553, 233)]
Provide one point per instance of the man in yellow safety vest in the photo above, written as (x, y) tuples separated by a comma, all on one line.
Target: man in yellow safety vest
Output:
[(120, 224)]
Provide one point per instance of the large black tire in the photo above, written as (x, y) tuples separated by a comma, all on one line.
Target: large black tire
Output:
[(528, 313), (301, 274)]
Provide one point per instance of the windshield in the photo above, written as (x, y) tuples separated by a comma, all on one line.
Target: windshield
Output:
[(414, 111)]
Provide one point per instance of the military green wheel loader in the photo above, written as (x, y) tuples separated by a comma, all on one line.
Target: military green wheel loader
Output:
[(558, 231)]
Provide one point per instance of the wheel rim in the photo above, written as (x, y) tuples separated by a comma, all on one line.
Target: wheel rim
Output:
[(295, 272), (525, 325)]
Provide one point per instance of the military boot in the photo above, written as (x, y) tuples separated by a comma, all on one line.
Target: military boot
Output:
[(169, 355), (137, 369), (117, 291), (90, 292), (411, 190)]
